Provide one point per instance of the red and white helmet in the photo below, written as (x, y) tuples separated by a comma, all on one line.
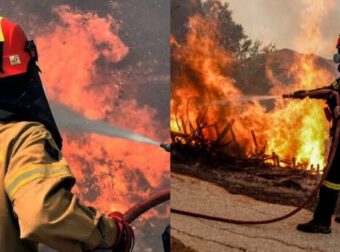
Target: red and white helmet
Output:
[(16, 51)]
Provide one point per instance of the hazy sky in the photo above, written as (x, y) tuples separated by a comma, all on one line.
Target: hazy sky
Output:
[(285, 22)]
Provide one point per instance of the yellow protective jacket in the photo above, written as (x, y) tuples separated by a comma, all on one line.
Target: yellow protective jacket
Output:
[(36, 205)]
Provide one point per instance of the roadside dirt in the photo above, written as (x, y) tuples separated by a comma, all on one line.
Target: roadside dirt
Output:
[(284, 186)]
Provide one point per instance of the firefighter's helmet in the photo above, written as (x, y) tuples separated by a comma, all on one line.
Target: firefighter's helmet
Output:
[(16, 51)]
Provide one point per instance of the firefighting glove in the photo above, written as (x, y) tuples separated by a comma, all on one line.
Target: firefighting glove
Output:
[(299, 94), (126, 238)]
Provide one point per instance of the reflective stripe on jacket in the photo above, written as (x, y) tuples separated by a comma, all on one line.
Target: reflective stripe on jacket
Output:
[(36, 204)]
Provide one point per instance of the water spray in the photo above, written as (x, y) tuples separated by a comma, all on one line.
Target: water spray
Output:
[(247, 98), (71, 120)]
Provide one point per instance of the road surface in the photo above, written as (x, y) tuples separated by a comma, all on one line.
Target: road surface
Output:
[(204, 236)]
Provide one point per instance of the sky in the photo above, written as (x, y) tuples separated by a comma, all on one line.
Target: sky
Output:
[(288, 23)]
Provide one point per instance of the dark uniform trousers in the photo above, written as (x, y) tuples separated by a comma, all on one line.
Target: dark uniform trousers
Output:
[(328, 194)]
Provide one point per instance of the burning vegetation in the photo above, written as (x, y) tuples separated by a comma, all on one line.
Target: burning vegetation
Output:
[(217, 71)]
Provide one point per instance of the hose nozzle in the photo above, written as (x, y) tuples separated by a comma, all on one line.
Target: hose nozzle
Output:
[(285, 96), (300, 94), (166, 147)]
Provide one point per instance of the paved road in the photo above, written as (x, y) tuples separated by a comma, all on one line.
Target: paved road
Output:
[(204, 235)]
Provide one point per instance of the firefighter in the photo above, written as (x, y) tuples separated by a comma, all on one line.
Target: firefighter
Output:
[(36, 202), (329, 190)]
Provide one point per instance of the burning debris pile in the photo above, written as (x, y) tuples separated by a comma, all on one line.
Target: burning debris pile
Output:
[(191, 139), (211, 120), (190, 142)]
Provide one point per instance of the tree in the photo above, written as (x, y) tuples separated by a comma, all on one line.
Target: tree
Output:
[(251, 58)]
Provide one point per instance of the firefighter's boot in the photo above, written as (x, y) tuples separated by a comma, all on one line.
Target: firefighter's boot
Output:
[(311, 227)]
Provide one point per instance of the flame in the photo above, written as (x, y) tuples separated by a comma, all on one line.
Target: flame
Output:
[(112, 174), (299, 128), (202, 77), (308, 128), (203, 81), (311, 20)]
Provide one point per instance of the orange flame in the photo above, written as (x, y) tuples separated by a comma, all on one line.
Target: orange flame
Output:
[(294, 129), (112, 174), (308, 134)]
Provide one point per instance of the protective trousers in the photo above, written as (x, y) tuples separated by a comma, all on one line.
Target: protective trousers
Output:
[(328, 194)]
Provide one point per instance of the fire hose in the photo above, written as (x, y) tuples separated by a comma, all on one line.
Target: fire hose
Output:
[(145, 205), (331, 156), (140, 208), (152, 201)]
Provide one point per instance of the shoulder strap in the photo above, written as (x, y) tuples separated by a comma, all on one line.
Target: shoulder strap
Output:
[(2, 40)]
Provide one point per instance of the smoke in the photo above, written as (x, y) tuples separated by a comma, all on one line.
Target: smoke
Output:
[(70, 120), (279, 22), (311, 17)]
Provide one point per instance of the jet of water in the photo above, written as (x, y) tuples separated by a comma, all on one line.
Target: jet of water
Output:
[(68, 119), (247, 98)]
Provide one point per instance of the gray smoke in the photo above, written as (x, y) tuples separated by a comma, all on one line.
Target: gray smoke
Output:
[(68, 119), (279, 22)]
